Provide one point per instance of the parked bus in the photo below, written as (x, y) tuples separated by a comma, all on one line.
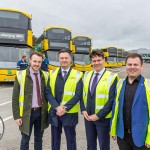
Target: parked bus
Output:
[(15, 41), (146, 57), (120, 58), (82, 47), (125, 54), (52, 40), (145, 53), (111, 59)]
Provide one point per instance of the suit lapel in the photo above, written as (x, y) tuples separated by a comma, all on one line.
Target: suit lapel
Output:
[(121, 97), (138, 90)]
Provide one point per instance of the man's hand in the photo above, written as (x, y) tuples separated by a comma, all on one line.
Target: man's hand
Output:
[(147, 145), (113, 138), (60, 110), (93, 117), (85, 114), (19, 121)]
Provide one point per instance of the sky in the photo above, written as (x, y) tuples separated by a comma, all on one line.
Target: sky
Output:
[(121, 23)]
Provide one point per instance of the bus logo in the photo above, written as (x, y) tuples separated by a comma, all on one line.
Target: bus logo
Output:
[(9, 72)]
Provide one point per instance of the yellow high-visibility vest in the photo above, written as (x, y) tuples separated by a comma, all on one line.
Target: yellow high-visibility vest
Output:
[(102, 89), (21, 75), (69, 87), (114, 121)]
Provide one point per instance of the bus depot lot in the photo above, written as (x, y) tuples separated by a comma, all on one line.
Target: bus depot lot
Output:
[(12, 136)]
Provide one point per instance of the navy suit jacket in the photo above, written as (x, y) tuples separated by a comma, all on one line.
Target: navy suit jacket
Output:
[(105, 110), (69, 119)]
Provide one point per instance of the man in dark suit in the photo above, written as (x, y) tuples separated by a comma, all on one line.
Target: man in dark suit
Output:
[(98, 96), (63, 92)]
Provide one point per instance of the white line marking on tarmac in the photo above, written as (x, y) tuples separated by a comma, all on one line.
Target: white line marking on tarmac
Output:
[(3, 88), (5, 103), (7, 118)]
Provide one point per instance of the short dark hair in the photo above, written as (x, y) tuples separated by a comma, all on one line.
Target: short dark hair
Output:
[(24, 56), (64, 51), (36, 53), (96, 53), (134, 55)]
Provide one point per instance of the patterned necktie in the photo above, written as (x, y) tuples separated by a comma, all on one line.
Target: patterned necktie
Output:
[(38, 90), (94, 83), (65, 75)]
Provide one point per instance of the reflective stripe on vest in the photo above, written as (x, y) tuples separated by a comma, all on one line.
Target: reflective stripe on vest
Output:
[(102, 95), (102, 89), (69, 87), (21, 80), (21, 76)]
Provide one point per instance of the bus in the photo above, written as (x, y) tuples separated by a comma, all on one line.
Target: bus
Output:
[(125, 54), (15, 41), (111, 59), (145, 53), (52, 40), (146, 57), (82, 47), (120, 58)]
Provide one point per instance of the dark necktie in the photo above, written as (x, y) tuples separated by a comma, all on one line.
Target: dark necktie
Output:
[(94, 83), (65, 75), (38, 89)]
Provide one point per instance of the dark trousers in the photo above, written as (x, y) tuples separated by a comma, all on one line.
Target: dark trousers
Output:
[(35, 120), (128, 144), (70, 134), (93, 131)]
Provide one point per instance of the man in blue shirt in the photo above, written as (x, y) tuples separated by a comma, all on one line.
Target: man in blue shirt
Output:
[(45, 63), (22, 64)]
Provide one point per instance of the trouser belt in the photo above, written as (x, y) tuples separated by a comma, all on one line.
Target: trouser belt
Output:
[(36, 108)]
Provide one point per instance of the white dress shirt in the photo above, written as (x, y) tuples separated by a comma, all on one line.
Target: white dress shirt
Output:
[(62, 71), (99, 76)]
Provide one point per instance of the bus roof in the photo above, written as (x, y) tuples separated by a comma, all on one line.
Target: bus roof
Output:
[(108, 47), (13, 10), (81, 36), (59, 27)]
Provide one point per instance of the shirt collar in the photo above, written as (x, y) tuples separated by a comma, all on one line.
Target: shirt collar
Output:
[(32, 71), (65, 70), (137, 79), (100, 72)]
